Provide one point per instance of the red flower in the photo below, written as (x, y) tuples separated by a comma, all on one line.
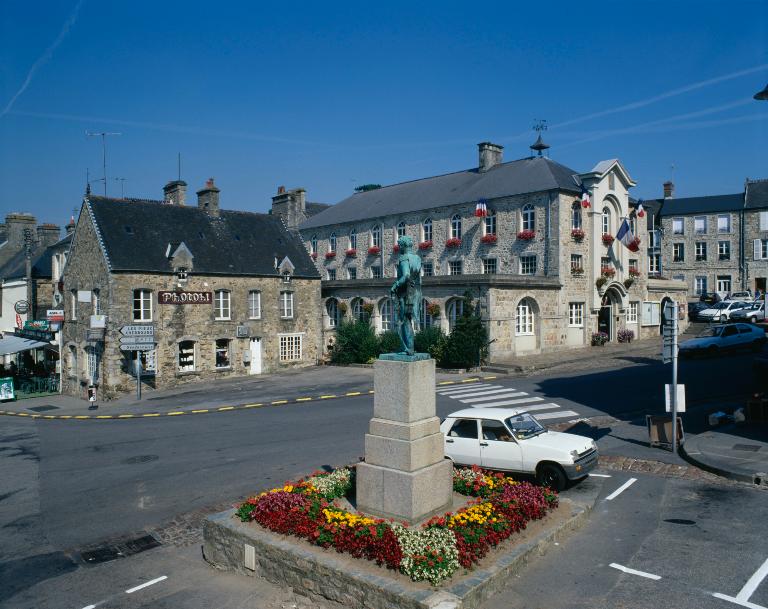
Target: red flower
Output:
[(489, 238), (526, 235), (425, 245), (373, 250), (453, 242)]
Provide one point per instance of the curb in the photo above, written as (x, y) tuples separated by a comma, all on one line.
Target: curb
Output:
[(755, 479)]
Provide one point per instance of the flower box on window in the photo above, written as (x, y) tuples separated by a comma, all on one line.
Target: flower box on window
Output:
[(433, 309), (373, 250), (526, 235), (628, 282), (425, 245), (314, 255), (600, 282), (395, 248), (490, 238), (607, 271), (368, 308), (351, 252), (634, 272), (453, 242), (577, 234), (577, 270), (608, 239), (329, 255)]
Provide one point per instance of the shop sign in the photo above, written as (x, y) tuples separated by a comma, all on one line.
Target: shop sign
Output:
[(37, 324), (21, 307), (41, 335), (180, 297), (55, 314), (6, 389)]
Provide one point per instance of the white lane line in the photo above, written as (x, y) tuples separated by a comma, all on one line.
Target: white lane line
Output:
[(621, 489), (634, 571), (466, 389), (599, 475), (481, 397), (742, 598), (146, 584), (450, 388), (484, 392), (90, 607), (736, 601), (509, 402), (556, 415), (547, 406)]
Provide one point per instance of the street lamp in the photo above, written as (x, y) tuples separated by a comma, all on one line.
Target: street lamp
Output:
[(762, 95)]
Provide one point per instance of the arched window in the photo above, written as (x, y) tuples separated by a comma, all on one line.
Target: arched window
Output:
[(525, 322), (385, 313), (576, 215), (358, 310), (427, 320), (332, 307), (376, 236), (528, 217), (401, 230), (454, 310), (353, 239), (606, 221), (426, 230), (332, 242), (456, 227), (313, 245), (633, 224), (489, 226)]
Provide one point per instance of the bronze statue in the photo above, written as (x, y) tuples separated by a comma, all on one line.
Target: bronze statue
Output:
[(407, 291)]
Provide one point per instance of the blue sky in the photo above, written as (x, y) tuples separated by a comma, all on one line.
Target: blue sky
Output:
[(332, 95)]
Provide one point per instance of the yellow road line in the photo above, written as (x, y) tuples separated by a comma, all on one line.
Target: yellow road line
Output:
[(32, 416), (351, 393), (253, 405), (174, 413), (125, 416), (279, 402), (104, 416), (48, 416), (10, 412), (469, 380), (302, 399), (65, 416), (370, 391), (151, 414), (225, 408), (327, 397), (23, 414), (446, 382), (82, 416), (199, 411)]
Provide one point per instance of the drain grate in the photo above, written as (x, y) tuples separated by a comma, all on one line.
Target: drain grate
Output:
[(43, 408), (140, 544), (140, 459), (119, 549), (750, 448), (100, 555)]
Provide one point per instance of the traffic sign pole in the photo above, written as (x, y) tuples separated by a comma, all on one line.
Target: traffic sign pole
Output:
[(670, 339)]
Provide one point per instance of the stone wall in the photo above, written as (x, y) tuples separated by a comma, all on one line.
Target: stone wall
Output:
[(756, 268)]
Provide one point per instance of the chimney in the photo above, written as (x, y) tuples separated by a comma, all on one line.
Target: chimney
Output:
[(281, 190), (490, 155), (48, 234), (669, 190), (15, 224), (208, 198), (290, 205), (71, 226), (175, 193)]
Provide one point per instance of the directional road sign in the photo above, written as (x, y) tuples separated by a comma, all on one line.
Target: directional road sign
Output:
[(138, 347), (136, 330), (133, 340)]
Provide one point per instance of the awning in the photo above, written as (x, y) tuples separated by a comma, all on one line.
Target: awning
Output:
[(13, 344)]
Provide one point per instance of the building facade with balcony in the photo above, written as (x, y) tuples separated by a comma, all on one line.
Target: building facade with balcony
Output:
[(225, 293), (545, 270)]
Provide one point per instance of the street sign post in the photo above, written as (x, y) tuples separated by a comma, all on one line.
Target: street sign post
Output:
[(137, 330), (138, 347), (137, 337), (680, 398), (133, 340), (670, 355)]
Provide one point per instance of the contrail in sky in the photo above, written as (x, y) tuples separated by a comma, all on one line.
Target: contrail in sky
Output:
[(44, 57)]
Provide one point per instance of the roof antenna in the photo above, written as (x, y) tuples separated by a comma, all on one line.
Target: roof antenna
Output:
[(87, 182), (179, 162), (539, 125), (103, 135)]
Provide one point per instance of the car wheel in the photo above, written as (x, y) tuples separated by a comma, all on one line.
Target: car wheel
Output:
[(713, 350), (753, 320), (551, 475)]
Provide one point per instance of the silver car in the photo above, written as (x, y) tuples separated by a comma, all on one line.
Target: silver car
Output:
[(751, 314), (722, 310)]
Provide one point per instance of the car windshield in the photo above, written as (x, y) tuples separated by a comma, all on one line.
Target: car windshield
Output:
[(524, 426), (713, 331), (720, 305)]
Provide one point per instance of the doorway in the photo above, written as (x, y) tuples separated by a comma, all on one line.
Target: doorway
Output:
[(255, 356), (604, 319)]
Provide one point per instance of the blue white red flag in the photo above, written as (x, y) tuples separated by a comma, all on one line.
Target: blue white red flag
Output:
[(625, 235), (585, 199), (481, 210)]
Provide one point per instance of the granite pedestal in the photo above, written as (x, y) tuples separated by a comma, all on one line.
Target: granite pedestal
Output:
[(405, 474)]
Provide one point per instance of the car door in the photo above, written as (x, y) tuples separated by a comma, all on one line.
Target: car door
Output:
[(730, 337), (462, 443), (498, 449), (747, 335)]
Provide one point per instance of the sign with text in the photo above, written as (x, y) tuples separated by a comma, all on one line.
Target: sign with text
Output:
[(21, 307), (138, 347), (135, 340), (185, 297), (137, 330), (36, 324), (55, 314), (680, 397)]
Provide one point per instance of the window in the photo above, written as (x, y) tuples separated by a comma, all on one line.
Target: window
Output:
[(724, 223), (385, 312), (724, 250), (576, 215), (455, 310), (677, 226), (454, 267), (489, 266), (576, 314), (489, 224), (606, 221), (221, 305), (286, 305), (764, 220), (332, 307), (182, 275), (701, 285), (72, 361), (96, 301), (313, 245), (633, 224), (332, 242), (634, 306), (351, 272), (92, 355), (633, 264), (495, 431), (724, 284), (427, 268), (142, 305), (576, 263), (524, 319), (654, 264), (376, 271), (353, 240), (612, 181), (527, 265), (701, 251), (464, 428), (605, 261), (678, 252), (456, 227), (700, 225), (426, 230), (254, 304), (290, 348), (376, 236), (331, 274), (222, 353), (187, 356), (760, 249), (401, 230), (426, 321), (358, 310), (528, 217)]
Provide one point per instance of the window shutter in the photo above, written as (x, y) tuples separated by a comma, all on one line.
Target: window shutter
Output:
[(758, 249)]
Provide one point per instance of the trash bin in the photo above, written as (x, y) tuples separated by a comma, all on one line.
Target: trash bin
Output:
[(660, 430)]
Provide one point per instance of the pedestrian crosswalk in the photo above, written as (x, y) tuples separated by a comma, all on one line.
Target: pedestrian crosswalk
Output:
[(488, 395)]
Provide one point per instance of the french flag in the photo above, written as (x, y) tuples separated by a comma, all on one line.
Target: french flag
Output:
[(585, 200), (625, 235), (640, 210), (481, 211)]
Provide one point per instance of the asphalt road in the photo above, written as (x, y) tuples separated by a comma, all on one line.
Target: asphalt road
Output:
[(67, 486)]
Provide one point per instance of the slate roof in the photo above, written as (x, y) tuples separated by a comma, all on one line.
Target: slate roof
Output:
[(16, 267), (703, 205), (312, 209), (757, 194), (535, 174), (136, 234)]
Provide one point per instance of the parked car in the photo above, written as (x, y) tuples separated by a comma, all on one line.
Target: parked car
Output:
[(746, 295), (752, 314), (760, 368), (694, 308), (709, 297), (511, 439), (721, 311), (716, 339)]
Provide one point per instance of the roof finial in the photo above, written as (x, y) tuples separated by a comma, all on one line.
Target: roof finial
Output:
[(539, 145)]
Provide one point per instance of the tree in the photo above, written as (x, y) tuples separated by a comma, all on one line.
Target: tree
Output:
[(467, 344), (430, 340), (356, 343)]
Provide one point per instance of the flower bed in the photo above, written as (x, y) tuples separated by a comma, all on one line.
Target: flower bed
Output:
[(526, 235), (490, 238), (432, 552), (577, 270), (577, 234), (425, 245), (607, 271), (453, 242), (433, 309), (634, 272), (599, 339), (625, 336)]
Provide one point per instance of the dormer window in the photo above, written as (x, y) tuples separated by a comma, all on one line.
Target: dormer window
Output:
[(181, 275)]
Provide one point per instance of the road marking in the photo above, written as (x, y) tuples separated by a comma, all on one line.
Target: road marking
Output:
[(82, 416), (447, 383), (556, 415), (151, 414), (461, 389), (742, 598), (146, 584), (621, 489), (599, 475), (225, 408), (480, 397), (327, 397), (176, 413), (474, 380), (253, 405), (23, 414), (349, 393), (125, 416), (104, 416), (303, 399), (90, 607), (510, 402), (488, 378), (634, 572), (201, 410), (736, 601)]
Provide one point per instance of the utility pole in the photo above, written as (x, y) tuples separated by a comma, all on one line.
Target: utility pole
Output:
[(28, 245), (122, 186), (103, 135)]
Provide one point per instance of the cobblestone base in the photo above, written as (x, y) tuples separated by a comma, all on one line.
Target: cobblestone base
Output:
[(657, 468)]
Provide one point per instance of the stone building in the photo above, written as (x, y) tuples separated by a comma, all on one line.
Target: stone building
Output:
[(228, 293), (756, 235), (537, 263)]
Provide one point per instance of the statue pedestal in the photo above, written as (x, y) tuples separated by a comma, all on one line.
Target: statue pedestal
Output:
[(405, 475)]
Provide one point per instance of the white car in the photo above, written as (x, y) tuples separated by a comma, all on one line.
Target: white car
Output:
[(722, 310), (511, 439), (716, 339), (747, 295), (751, 314)]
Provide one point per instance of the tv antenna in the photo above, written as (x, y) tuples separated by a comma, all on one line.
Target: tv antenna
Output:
[(103, 135), (122, 186), (539, 125)]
